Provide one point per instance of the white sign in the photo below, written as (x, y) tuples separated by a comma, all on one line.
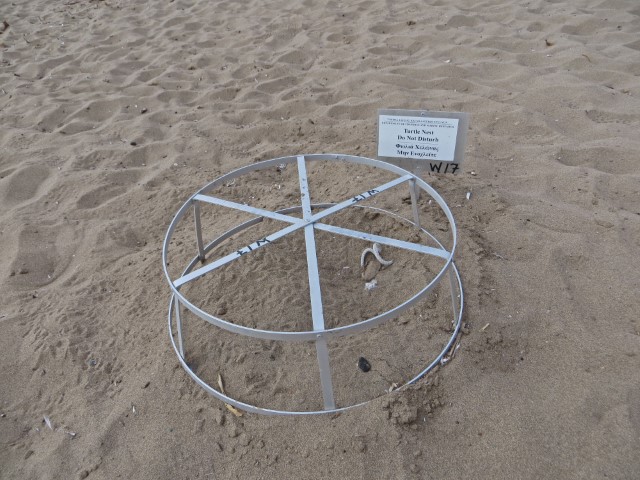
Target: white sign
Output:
[(417, 137), (426, 139)]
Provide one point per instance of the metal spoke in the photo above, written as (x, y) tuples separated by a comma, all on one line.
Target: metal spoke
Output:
[(305, 196), (317, 314), (247, 208), (358, 198), (392, 242), (237, 254)]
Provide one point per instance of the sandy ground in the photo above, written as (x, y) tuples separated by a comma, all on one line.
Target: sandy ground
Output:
[(113, 113)]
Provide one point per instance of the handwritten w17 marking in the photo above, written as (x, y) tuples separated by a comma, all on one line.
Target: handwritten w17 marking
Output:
[(365, 195), (253, 246)]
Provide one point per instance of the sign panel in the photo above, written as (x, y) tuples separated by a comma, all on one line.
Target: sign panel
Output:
[(422, 141)]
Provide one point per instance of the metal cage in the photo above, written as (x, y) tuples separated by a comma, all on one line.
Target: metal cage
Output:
[(311, 221)]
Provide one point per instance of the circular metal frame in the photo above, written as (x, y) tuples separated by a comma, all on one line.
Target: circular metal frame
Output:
[(309, 223)]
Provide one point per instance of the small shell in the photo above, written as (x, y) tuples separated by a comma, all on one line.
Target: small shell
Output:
[(47, 420), (371, 285)]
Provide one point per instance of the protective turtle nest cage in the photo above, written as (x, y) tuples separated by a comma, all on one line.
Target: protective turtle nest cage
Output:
[(312, 283)]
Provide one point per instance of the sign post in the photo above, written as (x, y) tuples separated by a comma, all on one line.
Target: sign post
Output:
[(423, 141)]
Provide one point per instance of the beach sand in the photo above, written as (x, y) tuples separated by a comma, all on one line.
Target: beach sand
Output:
[(113, 113)]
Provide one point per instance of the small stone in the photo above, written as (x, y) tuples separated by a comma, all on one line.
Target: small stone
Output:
[(414, 468), (84, 474), (361, 447), (144, 110), (363, 364), (23, 271), (371, 285), (133, 144), (222, 309)]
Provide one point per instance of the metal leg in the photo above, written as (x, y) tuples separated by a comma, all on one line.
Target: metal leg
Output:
[(453, 282), (179, 325), (415, 195), (322, 352), (196, 216)]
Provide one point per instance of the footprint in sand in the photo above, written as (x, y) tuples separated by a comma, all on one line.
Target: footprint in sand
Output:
[(22, 185), (115, 184), (600, 116), (100, 195), (603, 159), (43, 254)]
